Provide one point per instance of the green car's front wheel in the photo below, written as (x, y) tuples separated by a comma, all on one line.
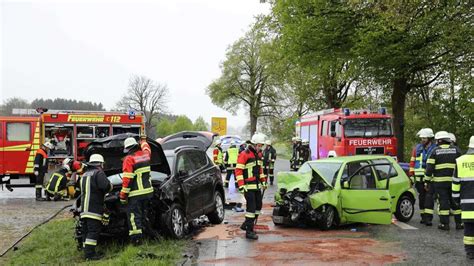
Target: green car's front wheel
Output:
[(328, 218), (405, 209)]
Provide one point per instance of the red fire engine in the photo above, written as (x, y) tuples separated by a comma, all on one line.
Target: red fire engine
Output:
[(342, 132), (68, 131)]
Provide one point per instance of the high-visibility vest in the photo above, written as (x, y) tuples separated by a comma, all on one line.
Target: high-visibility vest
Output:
[(232, 153), (421, 158), (463, 185)]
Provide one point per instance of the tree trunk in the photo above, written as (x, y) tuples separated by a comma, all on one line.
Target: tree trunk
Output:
[(399, 94), (253, 123)]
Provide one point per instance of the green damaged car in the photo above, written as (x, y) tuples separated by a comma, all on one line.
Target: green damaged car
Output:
[(342, 190)]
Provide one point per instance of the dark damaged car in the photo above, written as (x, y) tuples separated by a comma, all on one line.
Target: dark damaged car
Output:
[(186, 185)]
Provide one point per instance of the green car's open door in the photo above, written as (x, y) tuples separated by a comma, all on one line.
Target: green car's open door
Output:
[(363, 203)]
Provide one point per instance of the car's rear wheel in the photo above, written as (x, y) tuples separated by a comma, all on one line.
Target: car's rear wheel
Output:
[(405, 209), (217, 216), (175, 221), (328, 218)]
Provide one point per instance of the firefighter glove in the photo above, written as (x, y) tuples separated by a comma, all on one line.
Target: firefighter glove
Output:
[(242, 189), (36, 173), (264, 185), (123, 197)]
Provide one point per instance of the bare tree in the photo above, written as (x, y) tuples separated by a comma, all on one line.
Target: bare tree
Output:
[(147, 96)]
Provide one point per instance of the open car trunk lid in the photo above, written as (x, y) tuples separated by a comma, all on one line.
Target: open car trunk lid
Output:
[(112, 150), (201, 139)]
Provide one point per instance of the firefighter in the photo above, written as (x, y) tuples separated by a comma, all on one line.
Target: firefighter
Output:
[(269, 157), (57, 183), (217, 154), (418, 160), (439, 172), (41, 168), (296, 154), (136, 186), (304, 153), (94, 185), (463, 195), (250, 179), (230, 160)]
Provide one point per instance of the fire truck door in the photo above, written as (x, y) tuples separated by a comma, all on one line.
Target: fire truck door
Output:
[(1, 148), (17, 146)]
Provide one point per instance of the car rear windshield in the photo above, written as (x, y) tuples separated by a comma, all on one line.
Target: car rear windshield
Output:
[(370, 127), (329, 170)]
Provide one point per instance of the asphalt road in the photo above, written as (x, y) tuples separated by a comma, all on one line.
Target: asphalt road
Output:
[(398, 243)]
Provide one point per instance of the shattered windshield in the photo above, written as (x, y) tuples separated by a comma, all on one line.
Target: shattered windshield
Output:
[(329, 170), (370, 127)]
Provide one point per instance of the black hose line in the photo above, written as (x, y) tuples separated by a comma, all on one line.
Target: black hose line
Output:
[(29, 232)]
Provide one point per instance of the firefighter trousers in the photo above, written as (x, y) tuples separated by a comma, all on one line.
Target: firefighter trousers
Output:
[(39, 180), (92, 228), (469, 237), (230, 172), (268, 170), (136, 211), (441, 190), (254, 206), (420, 188)]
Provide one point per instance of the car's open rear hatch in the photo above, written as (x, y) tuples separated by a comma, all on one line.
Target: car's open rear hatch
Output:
[(112, 150), (201, 139)]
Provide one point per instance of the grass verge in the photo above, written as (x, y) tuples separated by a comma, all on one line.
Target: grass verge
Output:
[(53, 244)]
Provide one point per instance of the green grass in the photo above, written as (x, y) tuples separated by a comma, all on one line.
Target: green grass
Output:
[(283, 150), (53, 244)]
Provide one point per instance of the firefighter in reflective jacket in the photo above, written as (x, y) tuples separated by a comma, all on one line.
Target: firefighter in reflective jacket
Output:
[(40, 168), (418, 160), (230, 160), (250, 179), (136, 186), (269, 157), (463, 194), (439, 172), (57, 183), (94, 185), (217, 154)]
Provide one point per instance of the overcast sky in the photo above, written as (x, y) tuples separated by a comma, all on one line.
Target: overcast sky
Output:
[(87, 50)]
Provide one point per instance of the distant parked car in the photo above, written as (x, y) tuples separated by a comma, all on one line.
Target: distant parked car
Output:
[(343, 190), (227, 139)]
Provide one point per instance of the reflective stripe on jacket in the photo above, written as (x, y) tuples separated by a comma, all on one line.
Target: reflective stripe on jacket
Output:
[(248, 173), (463, 185), (440, 166), (57, 181), (136, 178), (94, 186)]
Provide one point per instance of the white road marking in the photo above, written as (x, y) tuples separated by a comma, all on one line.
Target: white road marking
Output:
[(404, 225)]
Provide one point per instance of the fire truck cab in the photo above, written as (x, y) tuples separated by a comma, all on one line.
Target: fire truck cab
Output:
[(69, 131), (343, 132)]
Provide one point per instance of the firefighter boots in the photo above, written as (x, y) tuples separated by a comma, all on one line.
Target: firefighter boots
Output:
[(38, 195), (444, 227)]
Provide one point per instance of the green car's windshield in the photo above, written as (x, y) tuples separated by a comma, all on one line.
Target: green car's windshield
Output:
[(329, 170)]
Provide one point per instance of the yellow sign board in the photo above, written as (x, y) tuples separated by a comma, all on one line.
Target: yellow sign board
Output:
[(219, 125)]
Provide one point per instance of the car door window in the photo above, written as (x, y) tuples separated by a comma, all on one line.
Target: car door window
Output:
[(384, 171), (199, 159), (362, 177), (185, 164)]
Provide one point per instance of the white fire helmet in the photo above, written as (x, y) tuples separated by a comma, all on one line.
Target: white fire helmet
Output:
[(442, 135), (425, 133), (258, 138)]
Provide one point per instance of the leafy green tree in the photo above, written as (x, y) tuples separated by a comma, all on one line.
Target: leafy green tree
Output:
[(182, 123), (164, 127), (244, 80), (200, 124)]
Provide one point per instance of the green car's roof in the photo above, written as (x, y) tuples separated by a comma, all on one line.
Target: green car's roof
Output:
[(345, 159)]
